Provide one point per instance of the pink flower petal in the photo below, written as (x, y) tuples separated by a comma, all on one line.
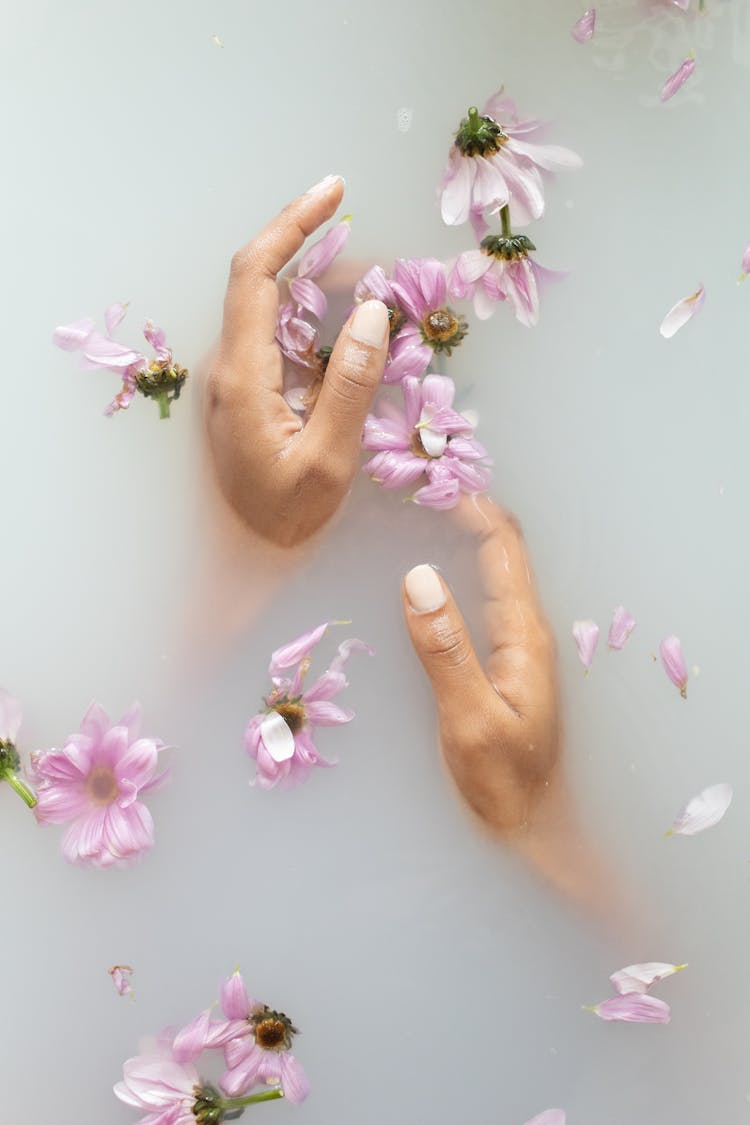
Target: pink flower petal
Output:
[(678, 79), (673, 661), (549, 1117), (323, 713), (584, 28), (190, 1041), (621, 628), (703, 811), (745, 262), (121, 975), (113, 316), (639, 978), (289, 655), (440, 494), (682, 312), (586, 637), (309, 296), (71, 337), (455, 198), (235, 1002), (319, 256), (634, 1007)]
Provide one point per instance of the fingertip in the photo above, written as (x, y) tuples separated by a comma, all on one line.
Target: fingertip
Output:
[(327, 185), (370, 323), (423, 589)]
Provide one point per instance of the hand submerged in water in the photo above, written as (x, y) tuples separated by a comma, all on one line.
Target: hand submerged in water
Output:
[(285, 481)]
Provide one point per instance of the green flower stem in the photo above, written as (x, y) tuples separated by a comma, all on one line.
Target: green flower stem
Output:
[(252, 1099), (163, 400), (20, 787), (505, 220)]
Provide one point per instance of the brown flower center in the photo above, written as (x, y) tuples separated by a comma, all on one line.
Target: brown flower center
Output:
[(416, 447), (292, 712), (274, 1031), (102, 786), (442, 329)]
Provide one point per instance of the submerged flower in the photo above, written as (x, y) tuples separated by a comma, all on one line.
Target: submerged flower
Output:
[(121, 979), (622, 626), (161, 378), (703, 811), (584, 28), (500, 270), (586, 637), (315, 261), (639, 978), (426, 325), (10, 762), (162, 1087), (633, 1007), (280, 738), (496, 160), (95, 780), (682, 312), (428, 439), (677, 80), (670, 651)]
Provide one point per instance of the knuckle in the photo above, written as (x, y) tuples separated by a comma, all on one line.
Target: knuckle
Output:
[(447, 642)]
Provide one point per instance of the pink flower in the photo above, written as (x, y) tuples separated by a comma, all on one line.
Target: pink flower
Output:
[(422, 323), (280, 739), (121, 979), (703, 811), (672, 659), (639, 978), (500, 270), (621, 628), (682, 312), (428, 439), (495, 160), (315, 261), (297, 339), (634, 1007), (586, 637), (95, 781), (677, 80), (162, 1087), (260, 1051), (160, 378), (584, 28)]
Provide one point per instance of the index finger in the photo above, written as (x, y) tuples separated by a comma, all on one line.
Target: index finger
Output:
[(251, 304)]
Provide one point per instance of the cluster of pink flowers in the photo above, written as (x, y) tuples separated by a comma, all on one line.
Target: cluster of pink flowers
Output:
[(256, 1043), (161, 378), (280, 739)]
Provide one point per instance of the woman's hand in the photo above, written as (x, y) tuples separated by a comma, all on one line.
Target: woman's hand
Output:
[(285, 481)]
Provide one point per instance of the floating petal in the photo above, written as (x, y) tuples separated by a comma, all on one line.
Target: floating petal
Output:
[(639, 978), (678, 79), (682, 312), (584, 29), (622, 626), (549, 1117), (586, 637), (633, 1008), (670, 652), (704, 811)]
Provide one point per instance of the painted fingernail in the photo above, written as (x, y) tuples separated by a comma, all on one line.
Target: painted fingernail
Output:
[(325, 185), (424, 589), (370, 324)]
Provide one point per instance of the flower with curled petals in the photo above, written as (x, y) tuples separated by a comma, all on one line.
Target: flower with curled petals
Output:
[(280, 738), (95, 781), (429, 439), (166, 1090), (161, 378), (500, 270), (425, 326)]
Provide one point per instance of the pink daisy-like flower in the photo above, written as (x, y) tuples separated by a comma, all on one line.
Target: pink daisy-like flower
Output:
[(161, 379), (422, 324), (95, 781), (165, 1089), (429, 438), (500, 270), (496, 160), (280, 738)]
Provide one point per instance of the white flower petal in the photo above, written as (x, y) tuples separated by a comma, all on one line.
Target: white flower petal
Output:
[(433, 443), (277, 737), (704, 811), (639, 978), (682, 312)]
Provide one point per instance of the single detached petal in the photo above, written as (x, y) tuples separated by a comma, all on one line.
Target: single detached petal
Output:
[(745, 262), (703, 811), (678, 79), (670, 652), (621, 628), (549, 1117), (289, 655), (10, 717), (682, 312), (584, 28), (639, 978), (277, 737), (634, 1007), (586, 637), (121, 975), (319, 256)]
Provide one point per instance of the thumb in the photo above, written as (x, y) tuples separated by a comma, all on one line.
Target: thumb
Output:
[(352, 377), (441, 640)]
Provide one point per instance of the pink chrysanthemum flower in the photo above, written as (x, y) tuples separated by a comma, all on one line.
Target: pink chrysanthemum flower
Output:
[(496, 160), (95, 781), (429, 438), (280, 738), (260, 1051), (422, 324), (500, 270), (161, 378), (165, 1089)]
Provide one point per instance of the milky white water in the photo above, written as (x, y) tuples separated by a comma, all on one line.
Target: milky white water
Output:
[(434, 978)]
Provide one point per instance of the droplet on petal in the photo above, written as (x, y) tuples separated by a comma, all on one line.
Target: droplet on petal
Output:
[(703, 811), (678, 79), (682, 312), (639, 978), (622, 626), (584, 28), (632, 1008), (673, 661), (586, 637)]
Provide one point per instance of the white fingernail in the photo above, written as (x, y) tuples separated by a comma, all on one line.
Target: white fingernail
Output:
[(325, 185), (424, 589), (370, 324)]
